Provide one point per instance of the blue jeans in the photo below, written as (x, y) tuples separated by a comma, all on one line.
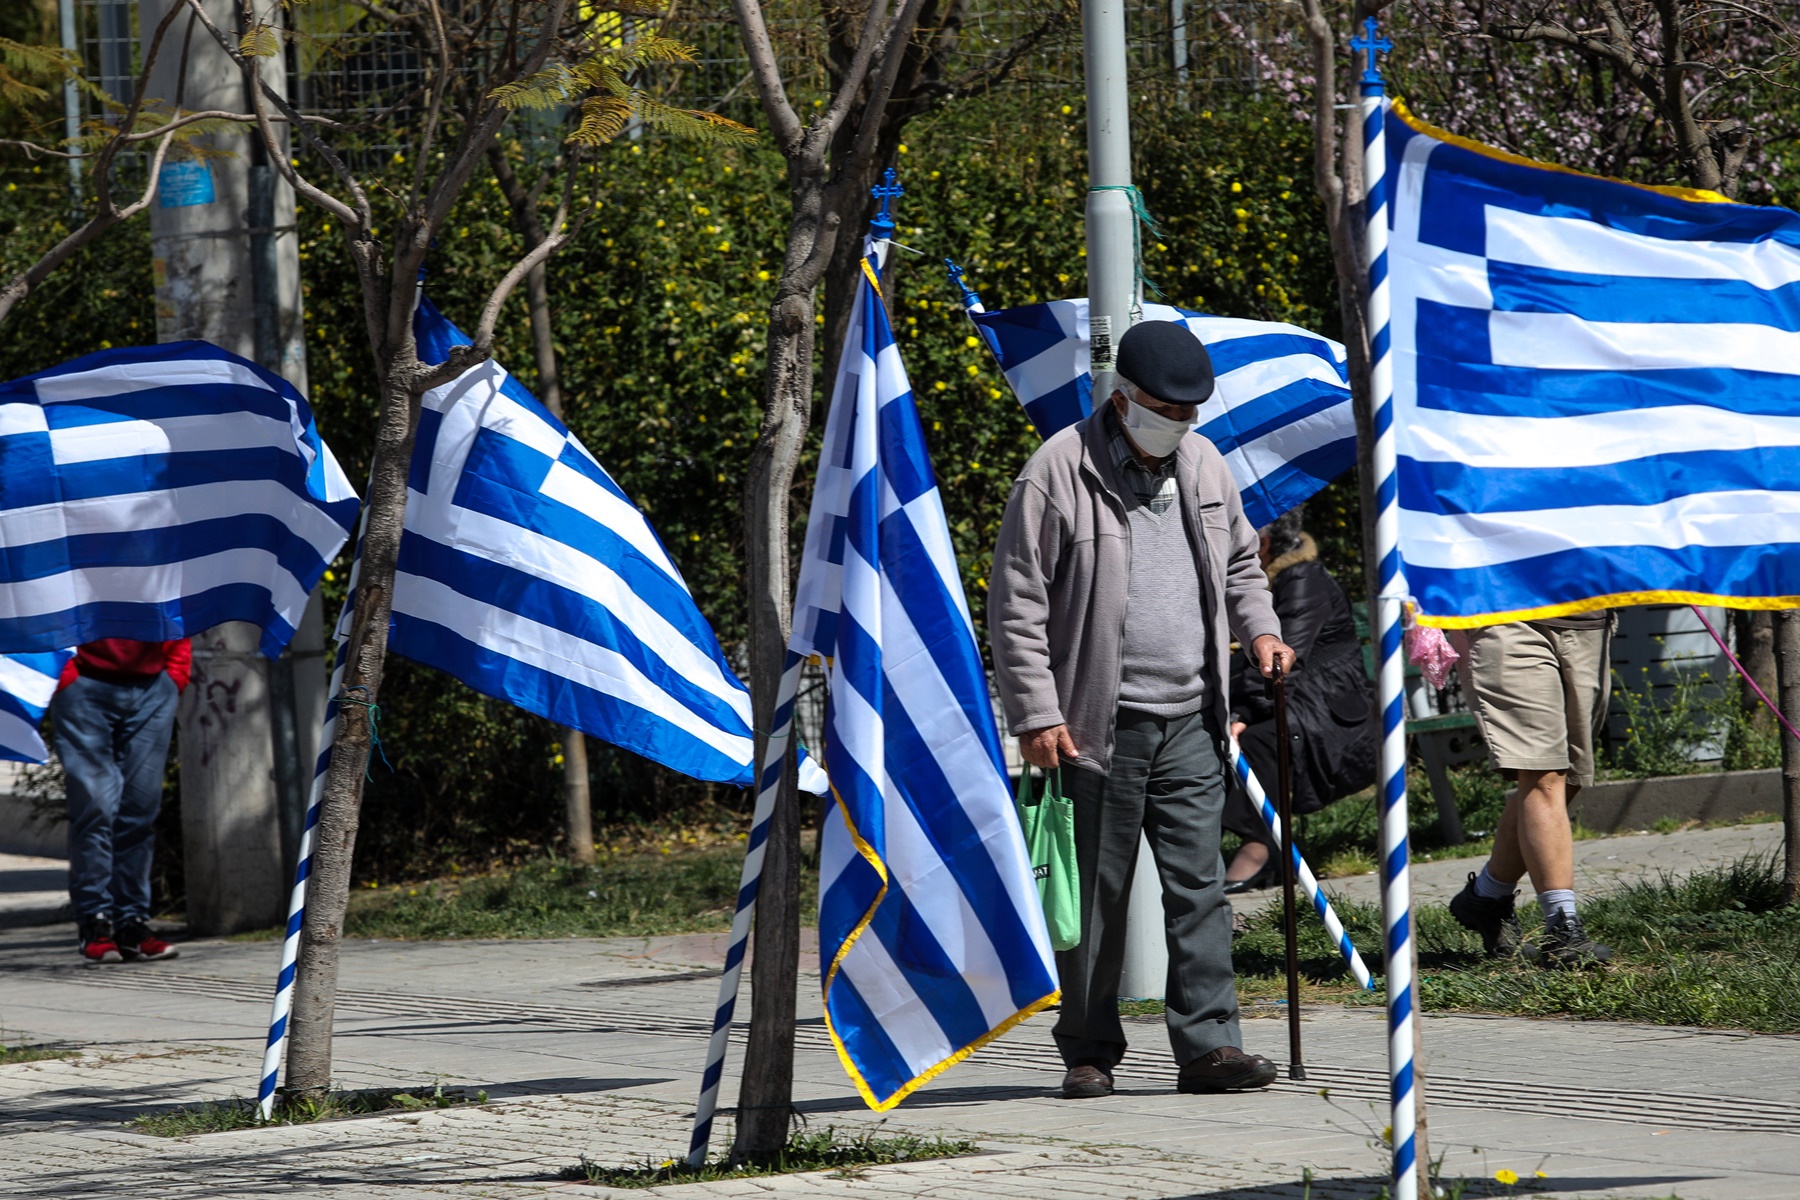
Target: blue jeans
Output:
[(113, 740)]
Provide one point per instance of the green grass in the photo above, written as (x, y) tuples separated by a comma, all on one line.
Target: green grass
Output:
[(224, 1115), (1342, 837), (1714, 949), (25, 1054), (629, 893), (805, 1151)]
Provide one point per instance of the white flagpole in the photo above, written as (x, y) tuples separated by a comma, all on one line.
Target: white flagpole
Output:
[(1402, 999), (768, 787), (282, 1006)]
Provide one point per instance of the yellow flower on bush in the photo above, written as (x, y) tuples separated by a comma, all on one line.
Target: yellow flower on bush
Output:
[(971, 341), (1506, 1177), (1237, 187)]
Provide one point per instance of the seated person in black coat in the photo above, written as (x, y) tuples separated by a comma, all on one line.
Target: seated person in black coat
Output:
[(1331, 704)]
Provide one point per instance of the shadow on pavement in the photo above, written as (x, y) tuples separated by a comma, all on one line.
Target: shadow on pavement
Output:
[(562, 1086), (926, 1099), (1366, 1187), (285, 1171)]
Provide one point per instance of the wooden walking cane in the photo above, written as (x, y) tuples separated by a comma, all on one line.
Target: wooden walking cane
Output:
[(1284, 801)]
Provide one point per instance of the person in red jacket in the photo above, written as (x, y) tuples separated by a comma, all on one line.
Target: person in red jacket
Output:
[(113, 712)]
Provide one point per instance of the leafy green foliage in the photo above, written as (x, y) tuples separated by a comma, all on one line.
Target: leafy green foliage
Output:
[(806, 1150), (1668, 734), (101, 298)]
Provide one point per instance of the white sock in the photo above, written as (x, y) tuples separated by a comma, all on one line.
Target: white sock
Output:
[(1489, 888), (1556, 900)]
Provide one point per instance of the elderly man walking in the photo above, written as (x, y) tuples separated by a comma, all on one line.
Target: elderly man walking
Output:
[(1124, 566)]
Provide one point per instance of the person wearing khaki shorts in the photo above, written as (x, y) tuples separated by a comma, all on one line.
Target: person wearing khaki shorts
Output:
[(1539, 691)]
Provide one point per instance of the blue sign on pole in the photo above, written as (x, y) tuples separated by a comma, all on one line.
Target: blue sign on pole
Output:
[(183, 183)]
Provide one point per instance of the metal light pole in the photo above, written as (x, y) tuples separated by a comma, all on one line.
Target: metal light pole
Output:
[(65, 11), (1111, 243), (1113, 307)]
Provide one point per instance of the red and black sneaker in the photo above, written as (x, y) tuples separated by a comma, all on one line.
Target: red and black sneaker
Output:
[(138, 944), (94, 938)]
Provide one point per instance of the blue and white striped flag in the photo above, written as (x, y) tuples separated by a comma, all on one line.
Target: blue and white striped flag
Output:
[(1281, 413), (528, 574), (1596, 386), (929, 920), (27, 685), (154, 492)]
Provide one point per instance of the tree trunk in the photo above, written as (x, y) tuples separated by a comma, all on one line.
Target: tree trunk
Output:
[(1756, 650), (1787, 640), (577, 803), (766, 1095), (315, 993)]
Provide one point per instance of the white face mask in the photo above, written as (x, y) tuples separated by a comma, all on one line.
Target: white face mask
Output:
[(1156, 435)]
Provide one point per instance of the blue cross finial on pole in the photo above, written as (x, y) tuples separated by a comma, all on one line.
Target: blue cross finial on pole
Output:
[(1372, 44), (887, 191)]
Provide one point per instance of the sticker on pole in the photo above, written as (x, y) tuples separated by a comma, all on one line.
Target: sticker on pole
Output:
[(183, 184), (1100, 338)]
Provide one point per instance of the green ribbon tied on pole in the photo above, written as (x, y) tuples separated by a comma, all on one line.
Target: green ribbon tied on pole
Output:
[(375, 746), (1144, 221)]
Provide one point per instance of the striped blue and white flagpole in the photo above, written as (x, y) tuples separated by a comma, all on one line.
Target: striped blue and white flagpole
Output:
[(1308, 881), (773, 763), (1390, 602), (290, 944)]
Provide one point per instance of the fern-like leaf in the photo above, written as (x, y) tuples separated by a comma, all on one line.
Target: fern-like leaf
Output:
[(602, 119), (24, 66), (260, 41), (547, 88), (691, 123)]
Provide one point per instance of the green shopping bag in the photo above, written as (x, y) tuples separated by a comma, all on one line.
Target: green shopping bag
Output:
[(1049, 825)]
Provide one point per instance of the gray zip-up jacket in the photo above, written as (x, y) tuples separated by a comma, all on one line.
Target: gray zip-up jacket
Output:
[(1062, 567)]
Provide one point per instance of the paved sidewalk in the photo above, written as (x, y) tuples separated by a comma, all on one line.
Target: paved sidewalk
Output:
[(594, 1047), (1600, 864), (33, 891)]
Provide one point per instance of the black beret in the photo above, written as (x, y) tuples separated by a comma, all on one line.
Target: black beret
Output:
[(1166, 360)]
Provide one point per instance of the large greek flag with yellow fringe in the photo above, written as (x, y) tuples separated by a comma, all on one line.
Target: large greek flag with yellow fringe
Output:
[(930, 930), (1597, 388)]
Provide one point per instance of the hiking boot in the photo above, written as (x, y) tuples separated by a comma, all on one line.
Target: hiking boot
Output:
[(138, 944), (1226, 1069), (94, 939), (1566, 944), (1495, 920), (1087, 1080)]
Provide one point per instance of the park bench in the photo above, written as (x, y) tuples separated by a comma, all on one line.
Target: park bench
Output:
[(1441, 734)]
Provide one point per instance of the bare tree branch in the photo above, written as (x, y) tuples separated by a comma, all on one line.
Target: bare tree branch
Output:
[(783, 121)]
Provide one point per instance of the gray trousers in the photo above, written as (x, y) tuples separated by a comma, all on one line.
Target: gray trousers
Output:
[(1166, 780)]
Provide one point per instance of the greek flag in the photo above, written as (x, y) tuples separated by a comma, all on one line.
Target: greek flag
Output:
[(27, 684), (1280, 415), (154, 492), (527, 573), (929, 921), (1596, 388)]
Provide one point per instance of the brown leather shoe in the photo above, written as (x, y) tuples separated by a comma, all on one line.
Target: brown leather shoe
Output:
[(1087, 1081), (1226, 1069)]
